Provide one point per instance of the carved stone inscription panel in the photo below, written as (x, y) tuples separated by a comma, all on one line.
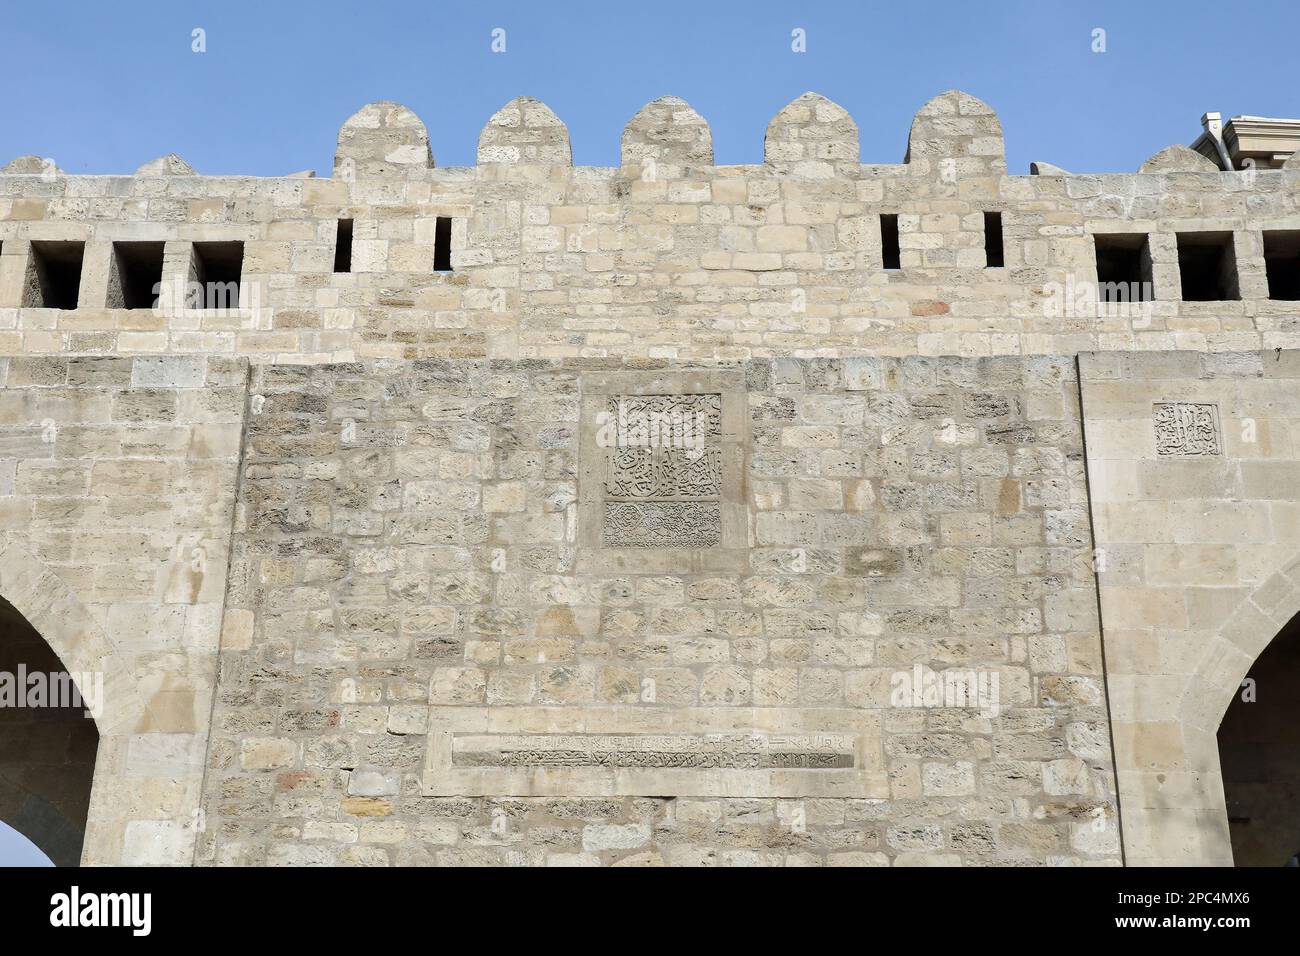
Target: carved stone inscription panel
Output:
[(663, 470), (1186, 428), (601, 751), (703, 751), (668, 524), (662, 457)]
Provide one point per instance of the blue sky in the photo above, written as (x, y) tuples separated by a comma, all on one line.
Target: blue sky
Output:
[(17, 850), (104, 87)]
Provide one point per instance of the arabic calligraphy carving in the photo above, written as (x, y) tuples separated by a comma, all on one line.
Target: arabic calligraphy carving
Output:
[(663, 473), (1186, 428)]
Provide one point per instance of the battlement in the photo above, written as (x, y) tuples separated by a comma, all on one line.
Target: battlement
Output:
[(811, 137), (811, 252), (614, 503)]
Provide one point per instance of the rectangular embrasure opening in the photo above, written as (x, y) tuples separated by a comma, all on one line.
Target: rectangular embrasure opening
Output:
[(993, 240), (343, 247), (53, 274), (890, 257), (138, 275), (1123, 267), (1207, 267), (1282, 264), (217, 267), (442, 245)]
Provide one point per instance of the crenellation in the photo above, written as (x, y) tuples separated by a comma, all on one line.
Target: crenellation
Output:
[(666, 133), (780, 256), (525, 132), (812, 138), (956, 136), (382, 139), (654, 513)]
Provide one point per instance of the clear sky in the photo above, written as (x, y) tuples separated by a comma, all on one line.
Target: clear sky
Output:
[(103, 87), (17, 850)]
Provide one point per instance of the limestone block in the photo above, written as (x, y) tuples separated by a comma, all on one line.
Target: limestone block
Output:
[(956, 136), (1178, 159), (812, 137), (667, 131), (525, 132), (382, 139)]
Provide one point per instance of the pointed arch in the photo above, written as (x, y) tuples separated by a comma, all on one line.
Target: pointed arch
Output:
[(66, 785), (72, 632), (1220, 670)]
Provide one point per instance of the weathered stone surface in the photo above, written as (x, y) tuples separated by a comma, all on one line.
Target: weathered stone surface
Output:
[(1178, 159), (169, 165), (25, 165), (667, 131), (812, 137), (859, 648), (688, 261), (525, 132), (1192, 514), (884, 527), (383, 139), (114, 546), (955, 135)]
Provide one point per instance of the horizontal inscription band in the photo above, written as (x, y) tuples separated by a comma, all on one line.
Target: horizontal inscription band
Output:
[(609, 752)]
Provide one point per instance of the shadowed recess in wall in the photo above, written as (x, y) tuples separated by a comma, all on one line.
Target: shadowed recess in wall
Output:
[(47, 753), (1259, 753)]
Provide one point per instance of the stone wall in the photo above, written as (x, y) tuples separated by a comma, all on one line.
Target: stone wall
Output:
[(471, 616), (1194, 468), (466, 620), (666, 255), (117, 493), (47, 751), (418, 592)]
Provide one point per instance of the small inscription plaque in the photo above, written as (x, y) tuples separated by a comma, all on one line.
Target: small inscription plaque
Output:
[(662, 524), (1186, 428), (663, 471)]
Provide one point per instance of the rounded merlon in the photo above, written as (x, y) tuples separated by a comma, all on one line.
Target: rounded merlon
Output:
[(1179, 159), (382, 139), (812, 134), (525, 132), (667, 130), (958, 127)]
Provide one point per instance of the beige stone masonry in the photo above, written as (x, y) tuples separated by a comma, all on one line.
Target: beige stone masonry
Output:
[(1196, 518), (665, 255), (115, 525)]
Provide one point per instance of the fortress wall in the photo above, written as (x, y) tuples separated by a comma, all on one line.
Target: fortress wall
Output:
[(1194, 469), (440, 573), (464, 624), (117, 494), (441, 582), (666, 256)]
